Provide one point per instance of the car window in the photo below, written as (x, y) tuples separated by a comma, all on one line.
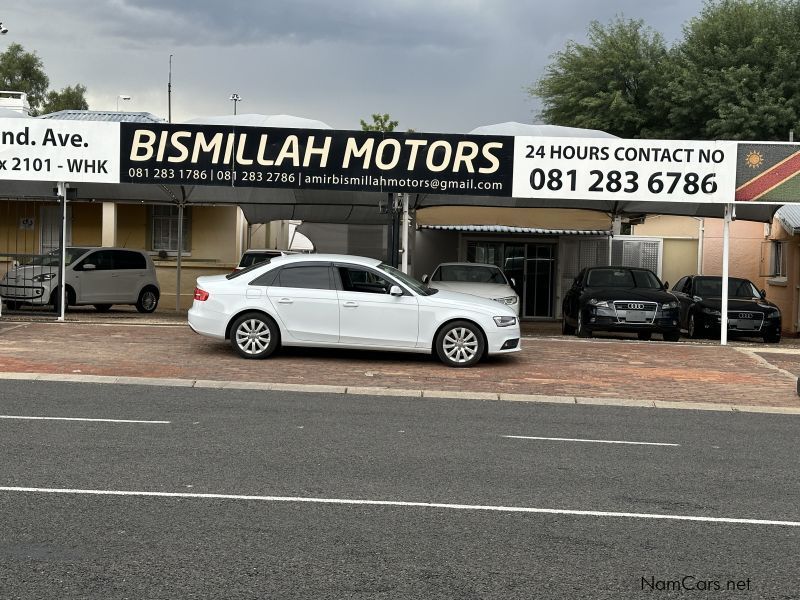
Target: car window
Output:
[(363, 280), (307, 276), (471, 274), (682, 285), (415, 284), (53, 259), (254, 258), (103, 260), (127, 259), (267, 279), (708, 286), (623, 278), (742, 288)]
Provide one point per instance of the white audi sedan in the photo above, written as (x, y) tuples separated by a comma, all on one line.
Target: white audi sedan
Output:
[(336, 301)]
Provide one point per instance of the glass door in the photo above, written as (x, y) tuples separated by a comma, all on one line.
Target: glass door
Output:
[(540, 272)]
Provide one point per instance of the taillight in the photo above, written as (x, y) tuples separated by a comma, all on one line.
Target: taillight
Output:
[(201, 295)]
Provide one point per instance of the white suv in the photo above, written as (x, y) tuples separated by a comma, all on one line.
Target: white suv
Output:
[(94, 276)]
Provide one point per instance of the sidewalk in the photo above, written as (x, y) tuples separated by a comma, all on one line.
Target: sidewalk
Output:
[(551, 367)]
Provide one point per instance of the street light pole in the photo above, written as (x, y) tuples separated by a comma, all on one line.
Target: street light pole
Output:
[(235, 98)]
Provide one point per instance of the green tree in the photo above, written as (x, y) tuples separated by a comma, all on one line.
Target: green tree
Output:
[(379, 123), (69, 98), (22, 71), (607, 83), (736, 73)]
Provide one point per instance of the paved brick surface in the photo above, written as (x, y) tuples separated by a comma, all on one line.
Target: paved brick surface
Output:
[(550, 364)]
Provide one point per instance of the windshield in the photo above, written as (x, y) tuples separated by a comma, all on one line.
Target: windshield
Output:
[(737, 288), (623, 278), (417, 286), (471, 274), (53, 259)]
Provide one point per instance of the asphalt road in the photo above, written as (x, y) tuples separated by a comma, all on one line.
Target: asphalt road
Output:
[(192, 493)]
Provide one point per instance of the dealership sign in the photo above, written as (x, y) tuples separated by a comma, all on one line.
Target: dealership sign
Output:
[(616, 169), (608, 169)]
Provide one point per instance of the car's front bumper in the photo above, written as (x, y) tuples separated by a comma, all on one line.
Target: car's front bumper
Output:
[(28, 294), (710, 325), (503, 340), (660, 321)]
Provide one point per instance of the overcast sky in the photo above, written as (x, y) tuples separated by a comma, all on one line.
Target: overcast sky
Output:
[(434, 65)]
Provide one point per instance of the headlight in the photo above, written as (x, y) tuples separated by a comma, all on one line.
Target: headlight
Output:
[(505, 321), (668, 305), (711, 311), (506, 300), (598, 303), (44, 277)]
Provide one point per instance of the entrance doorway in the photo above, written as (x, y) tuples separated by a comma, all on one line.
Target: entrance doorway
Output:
[(532, 266)]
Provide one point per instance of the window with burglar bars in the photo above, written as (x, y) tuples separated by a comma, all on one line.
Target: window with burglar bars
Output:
[(577, 253), (773, 259), (637, 253), (164, 228)]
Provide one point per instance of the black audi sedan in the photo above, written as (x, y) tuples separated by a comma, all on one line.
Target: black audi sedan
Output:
[(749, 312), (625, 299)]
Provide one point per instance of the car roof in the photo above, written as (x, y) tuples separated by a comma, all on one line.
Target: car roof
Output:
[(359, 260), (466, 264)]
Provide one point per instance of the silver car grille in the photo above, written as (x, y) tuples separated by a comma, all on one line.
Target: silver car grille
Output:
[(745, 320), (635, 311)]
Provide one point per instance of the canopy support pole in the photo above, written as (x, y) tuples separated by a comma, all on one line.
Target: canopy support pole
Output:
[(62, 265), (404, 236), (180, 253), (730, 215)]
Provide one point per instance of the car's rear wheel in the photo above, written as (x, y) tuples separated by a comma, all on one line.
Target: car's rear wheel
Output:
[(672, 337), (460, 344), (644, 335), (566, 328), (581, 330), (148, 300), (254, 335), (102, 307)]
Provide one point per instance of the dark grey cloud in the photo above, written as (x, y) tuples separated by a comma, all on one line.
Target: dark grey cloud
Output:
[(436, 65)]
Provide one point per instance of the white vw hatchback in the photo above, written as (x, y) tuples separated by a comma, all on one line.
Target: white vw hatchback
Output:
[(337, 301)]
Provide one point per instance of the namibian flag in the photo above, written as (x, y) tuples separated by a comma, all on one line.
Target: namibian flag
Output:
[(768, 172)]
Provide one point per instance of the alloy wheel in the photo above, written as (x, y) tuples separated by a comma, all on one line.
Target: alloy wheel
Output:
[(253, 336), (460, 345)]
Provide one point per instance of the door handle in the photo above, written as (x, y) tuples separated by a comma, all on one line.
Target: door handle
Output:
[(350, 303), (285, 301)]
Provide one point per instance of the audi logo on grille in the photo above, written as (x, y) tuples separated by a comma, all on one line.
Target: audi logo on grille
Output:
[(638, 306), (745, 315)]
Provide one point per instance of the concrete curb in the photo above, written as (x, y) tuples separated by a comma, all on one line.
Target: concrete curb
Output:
[(399, 392)]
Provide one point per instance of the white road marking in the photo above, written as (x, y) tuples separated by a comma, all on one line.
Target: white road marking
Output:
[(558, 439), (398, 503), (82, 419)]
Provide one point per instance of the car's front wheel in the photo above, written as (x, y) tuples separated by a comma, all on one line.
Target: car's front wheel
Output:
[(12, 304), (691, 328), (254, 335), (460, 344), (772, 338), (581, 330), (148, 300), (566, 328)]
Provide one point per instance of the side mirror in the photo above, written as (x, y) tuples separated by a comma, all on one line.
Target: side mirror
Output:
[(666, 285), (763, 293), (425, 279), (513, 283), (395, 290), (88, 267)]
